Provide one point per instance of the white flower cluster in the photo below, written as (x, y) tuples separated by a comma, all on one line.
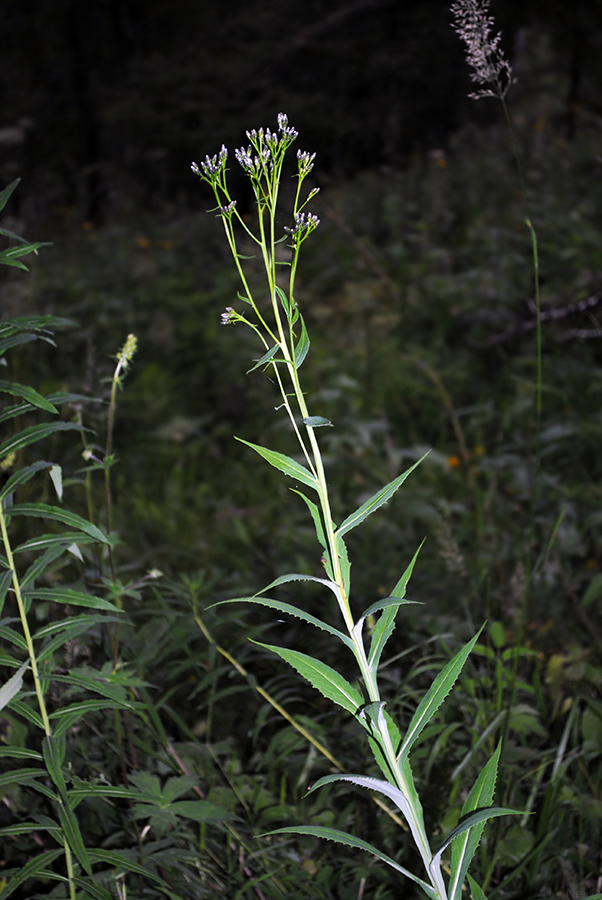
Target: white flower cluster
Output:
[(305, 223), (212, 166), (483, 53)]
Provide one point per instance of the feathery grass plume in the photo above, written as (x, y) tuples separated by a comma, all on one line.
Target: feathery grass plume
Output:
[(482, 50)]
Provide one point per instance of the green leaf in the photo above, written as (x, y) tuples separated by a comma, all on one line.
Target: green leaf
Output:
[(464, 848), (35, 433), (290, 610), (28, 393), (344, 564), (5, 583), (56, 476), (435, 695), (386, 623), (475, 890), (44, 541), (478, 817), (22, 476), (348, 840), (285, 464), (16, 339), (283, 300), (35, 868), (300, 351), (20, 753), (594, 589), (91, 889), (325, 679), (40, 565), (265, 359), (12, 686), (74, 598), (5, 194), (22, 709), (201, 811), (389, 604), (317, 519), (74, 837), (99, 685), (316, 421), (53, 748), (13, 637), (66, 717), (21, 776), (371, 784), (375, 502), (55, 513), (120, 861), (28, 827)]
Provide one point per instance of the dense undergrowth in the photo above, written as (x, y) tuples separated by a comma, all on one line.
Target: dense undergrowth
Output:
[(418, 300)]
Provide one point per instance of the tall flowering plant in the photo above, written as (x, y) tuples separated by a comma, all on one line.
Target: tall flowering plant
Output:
[(280, 327)]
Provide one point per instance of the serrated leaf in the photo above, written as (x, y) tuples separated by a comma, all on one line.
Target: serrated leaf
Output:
[(22, 476), (29, 394), (12, 687), (349, 840), (464, 848), (372, 784), (35, 433), (14, 637), (344, 564), (476, 818), (290, 610), (391, 604), (56, 514), (325, 679), (34, 868), (436, 694), (375, 501), (74, 598), (22, 709), (316, 421), (285, 464)]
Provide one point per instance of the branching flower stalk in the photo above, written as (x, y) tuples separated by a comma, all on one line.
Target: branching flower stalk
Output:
[(283, 334)]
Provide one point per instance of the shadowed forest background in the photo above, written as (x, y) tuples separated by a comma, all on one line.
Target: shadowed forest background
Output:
[(418, 293)]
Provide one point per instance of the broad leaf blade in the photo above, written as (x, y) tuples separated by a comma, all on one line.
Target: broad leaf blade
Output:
[(284, 463), (325, 679), (435, 696), (375, 501)]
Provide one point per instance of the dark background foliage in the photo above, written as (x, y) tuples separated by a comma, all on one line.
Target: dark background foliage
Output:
[(105, 104)]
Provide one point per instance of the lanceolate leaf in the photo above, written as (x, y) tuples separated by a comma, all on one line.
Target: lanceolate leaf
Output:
[(344, 563), (387, 603), (386, 623), (316, 421), (317, 519), (371, 784), (22, 476), (465, 845), (53, 748), (476, 818), (28, 393), (5, 583), (44, 541), (375, 502), (73, 598), (74, 837), (475, 890), (284, 463), (37, 867), (341, 837), (41, 563), (4, 196), (435, 696), (42, 511), (265, 359), (12, 687), (201, 811), (35, 433), (302, 346), (290, 610), (325, 679)]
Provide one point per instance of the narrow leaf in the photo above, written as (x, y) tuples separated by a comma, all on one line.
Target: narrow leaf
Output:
[(45, 541), (284, 463), (435, 696), (22, 476), (290, 610), (265, 359), (5, 583), (5, 194), (375, 502), (53, 748), (39, 565), (74, 837), (348, 840), (12, 686), (34, 868), (201, 811), (28, 393), (371, 784), (74, 598), (35, 433), (317, 519), (56, 474), (55, 513), (325, 679), (464, 848), (475, 818), (344, 564), (475, 890)]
